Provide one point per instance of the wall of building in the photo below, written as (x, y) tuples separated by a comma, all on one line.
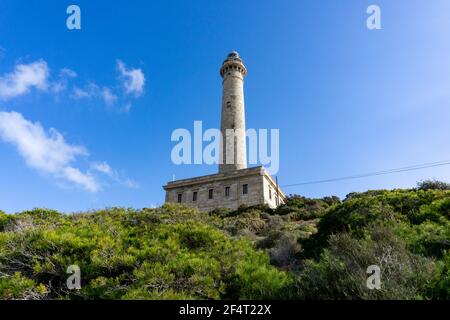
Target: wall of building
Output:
[(261, 190), (236, 198), (270, 193)]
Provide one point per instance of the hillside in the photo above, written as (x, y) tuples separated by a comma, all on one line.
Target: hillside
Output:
[(306, 249)]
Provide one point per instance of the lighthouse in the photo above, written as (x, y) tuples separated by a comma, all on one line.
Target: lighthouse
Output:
[(234, 185), (233, 147)]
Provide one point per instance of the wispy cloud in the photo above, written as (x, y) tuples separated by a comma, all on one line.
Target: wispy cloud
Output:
[(36, 75), (102, 167), (76, 176), (92, 90), (46, 152), (23, 79), (67, 73), (79, 93), (133, 80), (61, 83), (108, 96), (105, 168)]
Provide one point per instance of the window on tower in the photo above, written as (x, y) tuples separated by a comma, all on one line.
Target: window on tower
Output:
[(180, 197), (210, 193), (227, 191)]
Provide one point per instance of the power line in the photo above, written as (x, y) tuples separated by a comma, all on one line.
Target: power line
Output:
[(376, 173)]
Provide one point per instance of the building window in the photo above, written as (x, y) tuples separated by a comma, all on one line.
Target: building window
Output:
[(227, 191), (270, 194), (180, 197), (210, 193), (244, 188), (194, 196)]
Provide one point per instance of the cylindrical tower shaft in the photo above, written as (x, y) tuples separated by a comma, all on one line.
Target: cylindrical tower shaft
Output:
[(233, 149)]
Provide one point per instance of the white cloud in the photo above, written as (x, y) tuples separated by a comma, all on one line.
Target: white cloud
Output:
[(89, 91), (57, 87), (133, 80), (108, 96), (102, 167), (92, 90), (79, 93), (23, 78), (33, 75), (45, 151), (76, 176), (62, 82), (106, 169), (67, 73), (36, 75), (130, 183)]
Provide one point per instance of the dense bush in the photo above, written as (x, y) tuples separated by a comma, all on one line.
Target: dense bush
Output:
[(301, 208), (4, 218), (421, 217), (304, 249), (413, 225), (171, 252), (439, 287), (433, 184), (340, 272)]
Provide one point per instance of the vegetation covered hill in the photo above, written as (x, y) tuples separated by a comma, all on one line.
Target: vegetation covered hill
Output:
[(306, 249)]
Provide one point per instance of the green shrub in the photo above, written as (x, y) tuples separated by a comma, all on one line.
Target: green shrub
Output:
[(169, 252), (433, 185), (323, 246), (405, 208), (340, 271), (439, 287), (301, 208), (4, 219), (18, 287)]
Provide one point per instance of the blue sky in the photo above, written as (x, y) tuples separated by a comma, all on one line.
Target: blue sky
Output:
[(90, 125)]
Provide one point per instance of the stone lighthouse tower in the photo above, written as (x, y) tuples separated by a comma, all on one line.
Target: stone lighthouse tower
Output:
[(233, 148), (234, 185)]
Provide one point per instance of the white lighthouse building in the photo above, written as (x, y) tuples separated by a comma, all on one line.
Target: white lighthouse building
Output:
[(235, 184)]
